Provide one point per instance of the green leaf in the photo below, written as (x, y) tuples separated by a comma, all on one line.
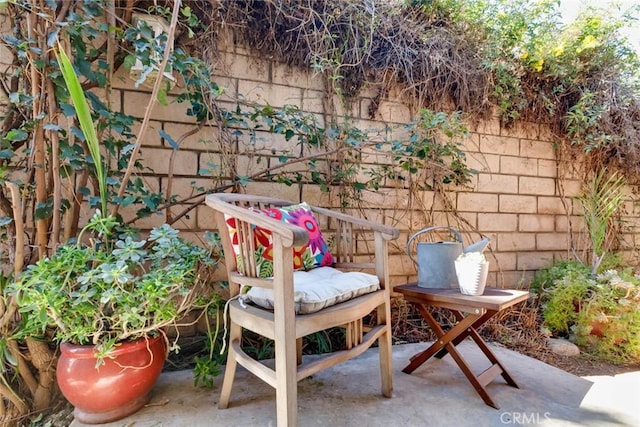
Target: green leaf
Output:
[(84, 117), (52, 37), (359, 185), (162, 97), (169, 139), (129, 61), (43, 211), (52, 126), (67, 109), (17, 135)]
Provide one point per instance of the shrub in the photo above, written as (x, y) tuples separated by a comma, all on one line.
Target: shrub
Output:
[(600, 313)]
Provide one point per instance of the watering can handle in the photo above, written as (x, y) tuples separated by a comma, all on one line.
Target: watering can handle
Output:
[(453, 231)]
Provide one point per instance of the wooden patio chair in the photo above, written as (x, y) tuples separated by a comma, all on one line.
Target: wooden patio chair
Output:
[(244, 223)]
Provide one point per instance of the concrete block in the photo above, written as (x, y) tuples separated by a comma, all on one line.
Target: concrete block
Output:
[(401, 265), (273, 143), (229, 87), (490, 126), (572, 187), (274, 189), (156, 219), (245, 67), (489, 163), (431, 200), (477, 202), (205, 219), (371, 156), (553, 205), (534, 260), (158, 159), (547, 168), (537, 186), (246, 165), (470, 218), (537, 149), (187, 222), (206, 138), (151, 137), (211, 165), (364, 107), (497, 222), (497, 183), (536, 223), (511, 165), (186, 187), (509, 203), (312, 101), (552, 241), (151, 183), (512, 242), (501, 261), (265, 93), (378, 131), (471, 144), (135, 104), (349, 108), (492, 144), (574, 223)]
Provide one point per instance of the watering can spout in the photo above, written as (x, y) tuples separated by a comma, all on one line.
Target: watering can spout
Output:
[(479, 246)]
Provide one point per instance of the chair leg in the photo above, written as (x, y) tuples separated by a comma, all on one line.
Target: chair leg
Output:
[(286, 370), (385, 352), (235, 333), (299, 351)]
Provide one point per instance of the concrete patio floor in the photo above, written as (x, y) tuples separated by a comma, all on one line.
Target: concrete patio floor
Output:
[(436, 394)]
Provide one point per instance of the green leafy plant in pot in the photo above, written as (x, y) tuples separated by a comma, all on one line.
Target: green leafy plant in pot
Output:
[(108, 296), (100, 298)]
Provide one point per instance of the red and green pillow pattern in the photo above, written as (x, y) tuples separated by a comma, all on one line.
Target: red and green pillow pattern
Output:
[(313, 254)]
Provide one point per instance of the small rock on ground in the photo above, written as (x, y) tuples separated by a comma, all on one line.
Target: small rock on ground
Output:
[(562, 347)]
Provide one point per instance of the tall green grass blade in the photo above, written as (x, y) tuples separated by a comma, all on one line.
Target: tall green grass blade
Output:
[(84, 118)]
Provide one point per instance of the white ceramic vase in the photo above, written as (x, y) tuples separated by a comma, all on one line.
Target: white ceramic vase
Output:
[(472, 277)]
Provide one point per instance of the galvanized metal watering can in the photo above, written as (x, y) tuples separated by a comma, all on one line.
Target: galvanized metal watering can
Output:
[(435, 260)]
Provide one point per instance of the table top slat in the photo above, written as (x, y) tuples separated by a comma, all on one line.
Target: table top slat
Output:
[(492, 299)]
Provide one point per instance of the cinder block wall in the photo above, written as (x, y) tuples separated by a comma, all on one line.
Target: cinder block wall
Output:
[(515, 199)]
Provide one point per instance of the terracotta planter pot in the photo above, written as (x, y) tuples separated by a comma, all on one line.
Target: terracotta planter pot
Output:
[(118, 387)]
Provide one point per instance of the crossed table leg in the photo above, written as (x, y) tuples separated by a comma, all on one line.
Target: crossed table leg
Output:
[(478, 312)]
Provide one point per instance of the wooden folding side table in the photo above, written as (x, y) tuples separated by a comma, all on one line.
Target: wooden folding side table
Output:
[(477, 309)]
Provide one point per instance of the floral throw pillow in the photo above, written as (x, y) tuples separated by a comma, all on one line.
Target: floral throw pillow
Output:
[(313, 254)]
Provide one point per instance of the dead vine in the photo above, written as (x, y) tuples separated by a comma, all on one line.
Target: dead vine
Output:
[(355, 44)]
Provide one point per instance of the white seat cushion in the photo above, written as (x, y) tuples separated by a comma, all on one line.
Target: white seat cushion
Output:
[(320, 288)]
